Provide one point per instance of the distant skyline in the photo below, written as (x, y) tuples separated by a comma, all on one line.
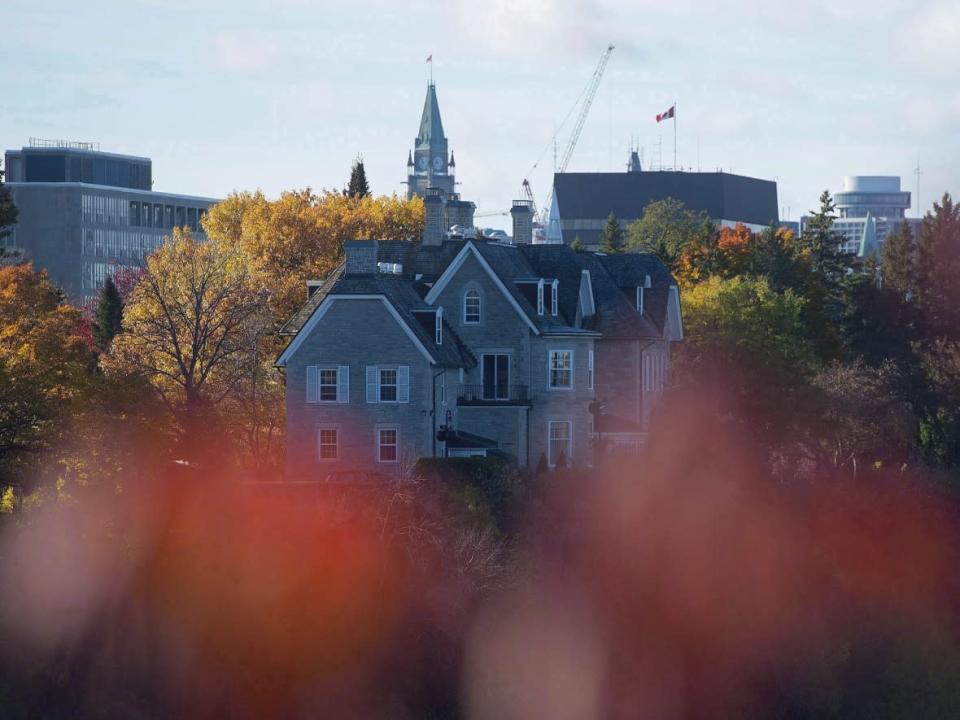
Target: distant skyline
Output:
[(230, 95)]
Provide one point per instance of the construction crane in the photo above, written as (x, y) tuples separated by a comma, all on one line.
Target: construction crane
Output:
[(585, 110), (588, 95)]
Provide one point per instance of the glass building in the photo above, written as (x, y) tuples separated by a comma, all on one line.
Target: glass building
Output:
[(83, 213)]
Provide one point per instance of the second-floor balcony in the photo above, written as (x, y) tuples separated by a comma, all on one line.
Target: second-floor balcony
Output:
[(493, 394)]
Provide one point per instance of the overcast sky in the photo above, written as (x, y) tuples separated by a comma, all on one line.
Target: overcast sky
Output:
[(277, 94)]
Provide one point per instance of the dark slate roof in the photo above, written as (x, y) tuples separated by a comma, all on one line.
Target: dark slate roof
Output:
[(614, 279), (720, 195)]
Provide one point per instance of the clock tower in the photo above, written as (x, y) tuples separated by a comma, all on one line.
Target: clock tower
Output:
[(430, 166)]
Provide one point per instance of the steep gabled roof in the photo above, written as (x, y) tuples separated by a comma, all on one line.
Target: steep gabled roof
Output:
[(399, 293)]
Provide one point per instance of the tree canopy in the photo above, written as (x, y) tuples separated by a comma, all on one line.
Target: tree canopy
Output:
[(666, 228)]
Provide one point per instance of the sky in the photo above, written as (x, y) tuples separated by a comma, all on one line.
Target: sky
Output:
[(229, 95)]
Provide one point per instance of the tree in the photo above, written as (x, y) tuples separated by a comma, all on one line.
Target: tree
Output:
[(611, 237), (45, 366), (666, 228), (358, 186), (108, 318), (742, 336), (828, 260), (898, 261), (938, 267), (8, 211), (190, 324), (577, 245), (300, 236)]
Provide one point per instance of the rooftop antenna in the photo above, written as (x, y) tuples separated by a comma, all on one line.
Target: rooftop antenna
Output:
[(918, 173)]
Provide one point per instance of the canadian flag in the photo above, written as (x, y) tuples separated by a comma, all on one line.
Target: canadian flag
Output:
[(668, 114)]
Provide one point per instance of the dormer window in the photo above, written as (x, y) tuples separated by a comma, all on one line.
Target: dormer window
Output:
[(439, 326), (554, 297), (471, 307), (540, 297)]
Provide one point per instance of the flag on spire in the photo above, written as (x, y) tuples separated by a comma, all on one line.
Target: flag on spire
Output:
[(430, 58), (672, 112)]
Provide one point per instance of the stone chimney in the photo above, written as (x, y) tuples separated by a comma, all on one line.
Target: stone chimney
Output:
[(434, 227), (361, 257), (522, 215)]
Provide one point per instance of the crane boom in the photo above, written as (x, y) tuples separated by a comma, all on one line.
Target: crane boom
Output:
[(585, 110)]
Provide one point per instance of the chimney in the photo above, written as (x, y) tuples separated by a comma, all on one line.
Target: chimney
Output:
[(434, 210), (361, 257), (522, 215)]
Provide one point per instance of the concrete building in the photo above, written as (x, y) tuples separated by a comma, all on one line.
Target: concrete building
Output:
[(85, 213), (472, 347), (582, 202), (869, 207), (431, 169)]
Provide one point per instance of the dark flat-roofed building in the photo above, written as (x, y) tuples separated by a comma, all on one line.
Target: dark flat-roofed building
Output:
[(582, 202), (83, 213)]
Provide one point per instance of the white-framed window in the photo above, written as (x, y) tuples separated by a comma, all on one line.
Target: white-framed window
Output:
[(471, 307), (328, 446), (540, 296), (654, 372), (640, 299), (438, 329), (554, 297), (328, 383), (388, 445), (390, 384), (559, 441), (560, 370), (590, 370)]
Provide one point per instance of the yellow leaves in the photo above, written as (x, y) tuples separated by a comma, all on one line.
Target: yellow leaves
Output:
[(300, 235)]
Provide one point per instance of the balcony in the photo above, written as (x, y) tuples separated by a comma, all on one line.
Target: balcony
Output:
[(493, 394)]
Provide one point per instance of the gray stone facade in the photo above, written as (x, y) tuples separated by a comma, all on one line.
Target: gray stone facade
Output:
[(481, 373)]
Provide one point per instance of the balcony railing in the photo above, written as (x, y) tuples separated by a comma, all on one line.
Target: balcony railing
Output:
[(496, 394)]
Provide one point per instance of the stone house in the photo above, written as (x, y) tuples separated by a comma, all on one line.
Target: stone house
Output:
[(463, 347)]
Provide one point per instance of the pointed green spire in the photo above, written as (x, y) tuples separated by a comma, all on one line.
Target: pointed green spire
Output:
[(431, 127)]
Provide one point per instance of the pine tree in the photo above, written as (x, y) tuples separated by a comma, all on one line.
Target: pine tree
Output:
[(938, 267), (612, 236), (358, 186), (577, 245), (108, 319), (898, 261)]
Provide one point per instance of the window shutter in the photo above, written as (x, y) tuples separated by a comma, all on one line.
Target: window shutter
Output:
[(371, 383), (313, 388), (343, 384), (403, 384)]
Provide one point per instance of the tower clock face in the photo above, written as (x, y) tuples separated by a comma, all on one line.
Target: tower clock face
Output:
[(438, 163), (422, 162)]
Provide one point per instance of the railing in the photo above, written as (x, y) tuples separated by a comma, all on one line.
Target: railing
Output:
[(492, 394)]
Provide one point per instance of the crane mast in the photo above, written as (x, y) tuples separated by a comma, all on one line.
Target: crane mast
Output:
[(585, 110), (589, 93)]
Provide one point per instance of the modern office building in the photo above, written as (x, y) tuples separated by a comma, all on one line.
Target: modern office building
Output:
[(84, 213), (582, 202), (869, 207)]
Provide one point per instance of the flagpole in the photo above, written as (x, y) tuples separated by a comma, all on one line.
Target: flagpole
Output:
[(674, 135)]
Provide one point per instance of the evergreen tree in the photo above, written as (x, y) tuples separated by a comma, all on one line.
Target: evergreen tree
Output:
[(358, 186), (938, 267), (108, 320), (577, 245), (8, 211), (612, 237), (829, 260), (898, 261)]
